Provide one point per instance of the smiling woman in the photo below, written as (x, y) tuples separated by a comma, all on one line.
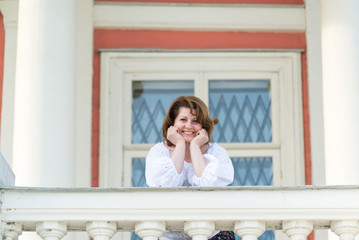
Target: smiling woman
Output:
[(186, 157), (188, 113), (186, 125)]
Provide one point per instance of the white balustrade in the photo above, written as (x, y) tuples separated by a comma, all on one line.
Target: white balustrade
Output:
[(150, 212), (345, 229), (150, 230), (199, 230), (12, 230), (101, 230), (249, 230), (51, 230), (298, 230)]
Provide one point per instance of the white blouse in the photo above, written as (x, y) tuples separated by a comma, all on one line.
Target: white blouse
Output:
[(161, 172)]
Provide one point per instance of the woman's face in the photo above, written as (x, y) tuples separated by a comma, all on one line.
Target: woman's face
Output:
[(187, 124)]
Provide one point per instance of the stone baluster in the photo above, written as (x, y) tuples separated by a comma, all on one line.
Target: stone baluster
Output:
[(297, 230), (150, 230), (345, 229), (51, 230), (199, 230), (249, 230), (101, 230), (12, 230)]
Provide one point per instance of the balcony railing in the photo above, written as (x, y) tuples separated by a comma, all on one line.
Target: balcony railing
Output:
[(248, 211)]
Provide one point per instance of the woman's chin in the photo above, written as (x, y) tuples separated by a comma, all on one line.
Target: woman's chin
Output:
[(188, 139)]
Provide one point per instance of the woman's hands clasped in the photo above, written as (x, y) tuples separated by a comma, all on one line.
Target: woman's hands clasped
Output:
[(175, 138), (188, 151)]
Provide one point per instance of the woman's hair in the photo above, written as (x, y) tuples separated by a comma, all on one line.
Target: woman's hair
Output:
[(198, 108)]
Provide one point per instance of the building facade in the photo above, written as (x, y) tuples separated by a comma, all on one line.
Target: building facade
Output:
[(85, 85)]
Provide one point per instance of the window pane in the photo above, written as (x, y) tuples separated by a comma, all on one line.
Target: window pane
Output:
[(134, 236), (252, 171), (243, 108), (150, 101), (138, 172)]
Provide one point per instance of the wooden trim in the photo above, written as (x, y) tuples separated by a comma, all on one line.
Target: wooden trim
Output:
[(306, 122), (199, 17)]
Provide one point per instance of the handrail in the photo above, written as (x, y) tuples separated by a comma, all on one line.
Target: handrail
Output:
[(220, 208)]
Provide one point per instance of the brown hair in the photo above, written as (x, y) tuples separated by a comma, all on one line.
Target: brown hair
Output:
[(196, 106)]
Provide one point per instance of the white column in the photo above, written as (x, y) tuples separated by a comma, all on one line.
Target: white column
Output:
[(298, 230), (249, 230), (150, 230), (199, 230), (45, 91), (9, 10), (315, 89), (84, 51), (340, 51)]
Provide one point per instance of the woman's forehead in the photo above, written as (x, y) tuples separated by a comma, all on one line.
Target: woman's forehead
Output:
[(186, 111)]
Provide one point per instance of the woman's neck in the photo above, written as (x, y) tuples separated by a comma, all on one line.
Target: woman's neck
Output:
[(187, 158)]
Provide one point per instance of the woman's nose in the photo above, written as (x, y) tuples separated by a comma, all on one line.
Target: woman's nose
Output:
[(189, 124)]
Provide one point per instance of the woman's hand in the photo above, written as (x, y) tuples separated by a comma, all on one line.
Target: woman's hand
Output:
[(198, 147), (201, 138), (173, 136), (178, 150)]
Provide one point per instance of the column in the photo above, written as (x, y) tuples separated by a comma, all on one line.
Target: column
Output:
[(9, 10), (340, 52), (45, 91)]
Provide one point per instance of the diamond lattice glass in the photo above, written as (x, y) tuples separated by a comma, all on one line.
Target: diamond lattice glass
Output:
[(243, 108), (150, 101)]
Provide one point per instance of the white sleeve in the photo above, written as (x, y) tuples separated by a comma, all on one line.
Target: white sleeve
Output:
[(218, 172), (160, 170)]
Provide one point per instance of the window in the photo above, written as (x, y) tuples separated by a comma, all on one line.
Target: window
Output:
[(256, 97)]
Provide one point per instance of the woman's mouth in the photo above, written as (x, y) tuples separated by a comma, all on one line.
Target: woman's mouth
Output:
[(188, 133)]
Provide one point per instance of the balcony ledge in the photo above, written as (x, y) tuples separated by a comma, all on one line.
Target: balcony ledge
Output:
[(224, 206)]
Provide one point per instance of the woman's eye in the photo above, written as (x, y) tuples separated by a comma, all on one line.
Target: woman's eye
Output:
[(183, 119), (195, 121)]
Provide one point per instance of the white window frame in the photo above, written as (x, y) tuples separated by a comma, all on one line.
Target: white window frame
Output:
[(119, 69)]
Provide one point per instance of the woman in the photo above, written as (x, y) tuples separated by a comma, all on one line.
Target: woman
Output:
[(186, 157)]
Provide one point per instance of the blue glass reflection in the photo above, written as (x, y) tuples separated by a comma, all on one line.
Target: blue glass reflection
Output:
[(150, 101), (243, 108)]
